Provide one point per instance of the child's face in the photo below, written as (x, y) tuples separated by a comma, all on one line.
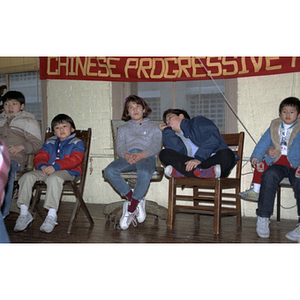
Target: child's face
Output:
[(174, 121), (63, 130), (13, 106), (135, 111), (289, 115)]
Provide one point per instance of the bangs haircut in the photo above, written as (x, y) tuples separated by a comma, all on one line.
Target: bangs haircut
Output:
[(14, 95), (176, 112), (138, 100), (290, 101), (59, 119)]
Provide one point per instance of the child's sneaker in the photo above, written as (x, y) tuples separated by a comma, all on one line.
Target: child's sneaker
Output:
[(249, 195), (212, 172), (22, 222), (140, 211), (49, 224), (262, 227), (171, 172), (295, 234), (127, 217)]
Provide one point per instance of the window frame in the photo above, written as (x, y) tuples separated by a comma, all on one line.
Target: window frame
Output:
[(43, 97), (120, 90)]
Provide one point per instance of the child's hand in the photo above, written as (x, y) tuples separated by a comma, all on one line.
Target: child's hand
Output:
[(192, 164), (15, 149), (135, 157), (47, 170), (127, 156), (254, 161), (272, 152), (162, 126)]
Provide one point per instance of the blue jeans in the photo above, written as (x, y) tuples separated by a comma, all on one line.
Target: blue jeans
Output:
[(9, 188), (145, 169), (3, 233), (269, 184)]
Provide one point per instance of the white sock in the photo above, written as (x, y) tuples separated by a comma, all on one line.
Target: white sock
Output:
[(23, 209), (52, 212), (256, 187)]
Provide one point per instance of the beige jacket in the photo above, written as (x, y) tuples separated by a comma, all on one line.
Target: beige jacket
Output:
[(21, 129)]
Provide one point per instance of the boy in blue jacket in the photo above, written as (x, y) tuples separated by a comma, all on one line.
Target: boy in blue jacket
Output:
[(194, 147), (59, 159), (283, 138)]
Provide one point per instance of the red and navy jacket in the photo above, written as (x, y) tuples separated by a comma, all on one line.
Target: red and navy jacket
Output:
[(70, 156)]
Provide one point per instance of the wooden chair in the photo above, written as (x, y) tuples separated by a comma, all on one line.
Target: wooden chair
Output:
[(210, 202), (75, 187), (114, 210), (286, 184)]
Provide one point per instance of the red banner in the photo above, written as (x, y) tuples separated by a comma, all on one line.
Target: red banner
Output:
[(163, 68)]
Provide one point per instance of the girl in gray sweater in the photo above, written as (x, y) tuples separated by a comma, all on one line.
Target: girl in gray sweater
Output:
[(138, 143)]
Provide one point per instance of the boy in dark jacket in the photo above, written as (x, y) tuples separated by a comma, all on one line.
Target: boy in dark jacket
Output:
[(60, 159), (194, 147)]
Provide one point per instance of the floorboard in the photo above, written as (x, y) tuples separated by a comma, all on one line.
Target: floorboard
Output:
[(151, 231)]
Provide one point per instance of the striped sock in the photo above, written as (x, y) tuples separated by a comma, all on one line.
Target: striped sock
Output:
[(176, 174), (205, 173)]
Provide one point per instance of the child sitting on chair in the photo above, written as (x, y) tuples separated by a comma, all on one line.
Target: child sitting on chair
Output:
[(21, 133), (59, 159), (138, 143), (194, 147), (283, 134)]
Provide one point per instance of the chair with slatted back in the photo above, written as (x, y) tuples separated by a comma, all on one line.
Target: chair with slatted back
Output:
[(210, 196), (74, 187)]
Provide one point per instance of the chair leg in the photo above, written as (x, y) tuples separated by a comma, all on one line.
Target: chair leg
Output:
[(217, 208), (35, 205), (79, 203), (196, 216), (172, 199), (278, 202), (238, 208), (74, 215)]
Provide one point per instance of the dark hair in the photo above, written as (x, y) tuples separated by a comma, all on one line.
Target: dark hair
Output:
[(290, 101), (60, 119), (14, 95), (176, 112), (138, 100)]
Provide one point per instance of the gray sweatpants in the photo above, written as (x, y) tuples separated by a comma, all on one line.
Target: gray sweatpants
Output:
[(54, 184)]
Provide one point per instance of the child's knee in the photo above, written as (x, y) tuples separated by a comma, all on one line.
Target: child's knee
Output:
[(54, 179)]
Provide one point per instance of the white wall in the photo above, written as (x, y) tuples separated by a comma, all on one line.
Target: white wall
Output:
[(90, 105)]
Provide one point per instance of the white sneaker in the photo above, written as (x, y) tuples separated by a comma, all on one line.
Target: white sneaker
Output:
[(140, 211), (295, 234), (127, 217), (22, 222), (217, 169), (262, 227), (48, 224), (168, 170)]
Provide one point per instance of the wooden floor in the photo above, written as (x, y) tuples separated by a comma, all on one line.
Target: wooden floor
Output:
[(151, 231)]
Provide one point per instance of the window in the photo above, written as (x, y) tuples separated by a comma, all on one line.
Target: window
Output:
[(196, 97), (27, 83)]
